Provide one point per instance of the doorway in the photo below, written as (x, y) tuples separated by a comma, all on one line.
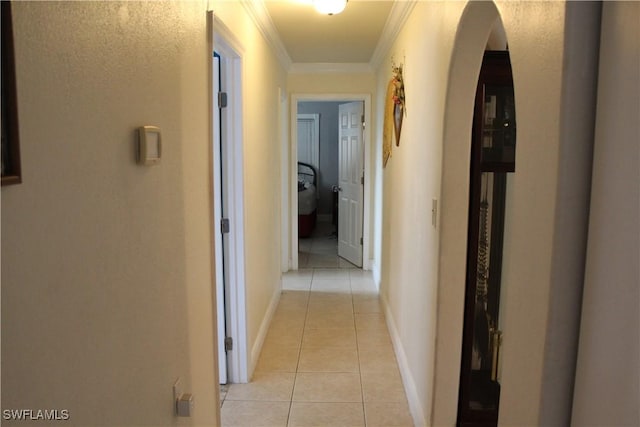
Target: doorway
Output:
[(228, 205), (340, 156)]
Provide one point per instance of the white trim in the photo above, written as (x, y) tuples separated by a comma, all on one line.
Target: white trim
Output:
[(376, 273), (231, 50), (293, 187), (330, 67), (410, 389), (264, 328), (283, 131), (225, 40), (400, 11), (260, 16)]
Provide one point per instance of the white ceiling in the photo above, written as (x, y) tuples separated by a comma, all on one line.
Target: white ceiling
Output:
[(349, 37)]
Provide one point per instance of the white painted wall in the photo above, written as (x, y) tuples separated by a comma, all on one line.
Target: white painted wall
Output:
[(410, 180), (607, 388), (575, 158), (106, 265)]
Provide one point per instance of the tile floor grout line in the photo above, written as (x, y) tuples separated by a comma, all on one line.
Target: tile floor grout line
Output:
[(355, 329), (304, 324), (305, 303)]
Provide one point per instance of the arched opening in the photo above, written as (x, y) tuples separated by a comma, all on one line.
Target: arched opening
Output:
[(480, 29), (545, 211)]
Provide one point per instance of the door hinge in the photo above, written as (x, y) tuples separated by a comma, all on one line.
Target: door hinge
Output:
[(362, 180), (228, 344), (362, 121), (224, 226), (361, 241), (222, 99)]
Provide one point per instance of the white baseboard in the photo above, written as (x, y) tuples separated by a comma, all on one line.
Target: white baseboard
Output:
[(417, 411), (375, 272), (264, 328)]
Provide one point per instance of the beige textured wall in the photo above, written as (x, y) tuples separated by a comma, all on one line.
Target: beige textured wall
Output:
[(106, 265), (423, 270), (410, 181), (330, 82)]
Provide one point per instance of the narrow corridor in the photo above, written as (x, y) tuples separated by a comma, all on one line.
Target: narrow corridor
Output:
[(327, 359)]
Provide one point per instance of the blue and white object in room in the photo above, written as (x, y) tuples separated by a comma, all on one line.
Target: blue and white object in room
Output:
[(149, 145)]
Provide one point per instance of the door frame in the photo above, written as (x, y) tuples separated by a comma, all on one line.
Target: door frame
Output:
[(224, 42), (293, 175)]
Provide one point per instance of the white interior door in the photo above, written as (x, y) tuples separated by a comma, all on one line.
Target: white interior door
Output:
[(309, 139), (351, 182), (221, 247)]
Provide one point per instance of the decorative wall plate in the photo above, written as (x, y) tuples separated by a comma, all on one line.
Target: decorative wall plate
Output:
[(399, 100)]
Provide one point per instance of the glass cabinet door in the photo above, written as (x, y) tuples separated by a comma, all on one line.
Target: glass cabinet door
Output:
[(498, 128)]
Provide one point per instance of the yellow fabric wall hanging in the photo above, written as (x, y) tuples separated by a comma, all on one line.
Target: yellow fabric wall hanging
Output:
[(388, 127), (394, 111)]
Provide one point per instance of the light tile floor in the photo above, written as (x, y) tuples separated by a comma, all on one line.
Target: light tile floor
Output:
[(327, 359), (321, 249)]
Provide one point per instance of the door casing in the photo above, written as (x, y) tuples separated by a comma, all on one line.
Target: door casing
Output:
[(292, 190), (223, 41)]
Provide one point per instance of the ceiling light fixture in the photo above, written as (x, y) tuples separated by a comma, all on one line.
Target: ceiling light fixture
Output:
[(330, 7)]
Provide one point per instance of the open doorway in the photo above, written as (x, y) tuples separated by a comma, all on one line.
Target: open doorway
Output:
[(329, 181), (228, 203)]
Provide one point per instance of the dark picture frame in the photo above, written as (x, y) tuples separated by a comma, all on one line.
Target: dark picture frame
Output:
[(11, 168)]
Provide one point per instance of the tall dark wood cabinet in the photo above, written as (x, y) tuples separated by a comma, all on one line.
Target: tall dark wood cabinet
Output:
[(492, 159)]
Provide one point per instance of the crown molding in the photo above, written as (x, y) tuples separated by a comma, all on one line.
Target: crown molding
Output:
[(329, 67), (260, 15), (399, 14)]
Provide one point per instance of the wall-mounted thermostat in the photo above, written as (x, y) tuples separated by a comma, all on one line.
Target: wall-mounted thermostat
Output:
[(149, 145)]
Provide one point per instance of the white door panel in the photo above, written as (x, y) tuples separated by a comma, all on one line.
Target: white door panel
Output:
[(221, 249), (350, 182)]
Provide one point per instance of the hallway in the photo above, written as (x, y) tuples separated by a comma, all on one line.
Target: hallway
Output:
[(327, 359)]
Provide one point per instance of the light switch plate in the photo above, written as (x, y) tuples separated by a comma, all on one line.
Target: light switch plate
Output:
[(149, 145)]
